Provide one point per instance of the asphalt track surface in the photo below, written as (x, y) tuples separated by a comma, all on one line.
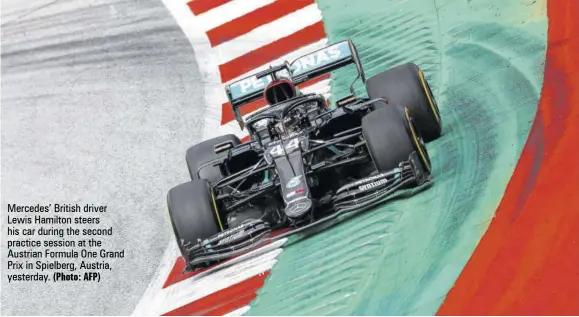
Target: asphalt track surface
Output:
[(99, 103)]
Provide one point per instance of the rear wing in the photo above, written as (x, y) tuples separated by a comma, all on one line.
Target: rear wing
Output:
[(302, 69), (326, 60), (251, 88)]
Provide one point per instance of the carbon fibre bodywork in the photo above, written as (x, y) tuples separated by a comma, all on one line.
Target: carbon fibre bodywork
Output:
[(299, 178), (353, 197), (305, 164)]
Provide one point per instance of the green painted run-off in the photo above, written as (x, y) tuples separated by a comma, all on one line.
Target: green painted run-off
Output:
[(484, 60)]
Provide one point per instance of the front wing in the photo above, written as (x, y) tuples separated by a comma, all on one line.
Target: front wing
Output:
[(353, 197)]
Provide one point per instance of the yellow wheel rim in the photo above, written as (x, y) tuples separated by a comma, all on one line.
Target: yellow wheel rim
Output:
[(415, 139), (428, 96)]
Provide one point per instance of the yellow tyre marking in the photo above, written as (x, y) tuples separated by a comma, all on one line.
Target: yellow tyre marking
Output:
[(215, 209), (430, 101), (415, 139)]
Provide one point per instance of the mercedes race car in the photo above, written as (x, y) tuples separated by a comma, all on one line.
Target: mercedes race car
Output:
[(305, 163)]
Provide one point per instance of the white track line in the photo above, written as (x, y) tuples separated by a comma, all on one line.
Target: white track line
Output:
[(240, 311), (197, 287), (144, 307), (268, 33), (228, 12)]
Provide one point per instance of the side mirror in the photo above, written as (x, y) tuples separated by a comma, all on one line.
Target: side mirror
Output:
[(222, 147)]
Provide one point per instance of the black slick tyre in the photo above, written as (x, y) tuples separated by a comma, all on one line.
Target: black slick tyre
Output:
[(391, 136), (192, 213), (406, 86), (198, 156)]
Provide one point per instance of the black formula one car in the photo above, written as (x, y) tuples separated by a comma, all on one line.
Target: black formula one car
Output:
[(305, 163)]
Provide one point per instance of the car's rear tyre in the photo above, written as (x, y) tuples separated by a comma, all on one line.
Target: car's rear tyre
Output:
[(405, 85), (200, 154), (391, 136), (192, 213)]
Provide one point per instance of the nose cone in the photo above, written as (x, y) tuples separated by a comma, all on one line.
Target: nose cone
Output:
[(298, 207)]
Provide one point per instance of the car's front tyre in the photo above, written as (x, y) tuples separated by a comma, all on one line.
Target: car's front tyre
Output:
[(391, 136), (199, 155), (406, 86), (193, 213)]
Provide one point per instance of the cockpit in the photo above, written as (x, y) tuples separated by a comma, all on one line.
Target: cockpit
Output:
[(287, 118)]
